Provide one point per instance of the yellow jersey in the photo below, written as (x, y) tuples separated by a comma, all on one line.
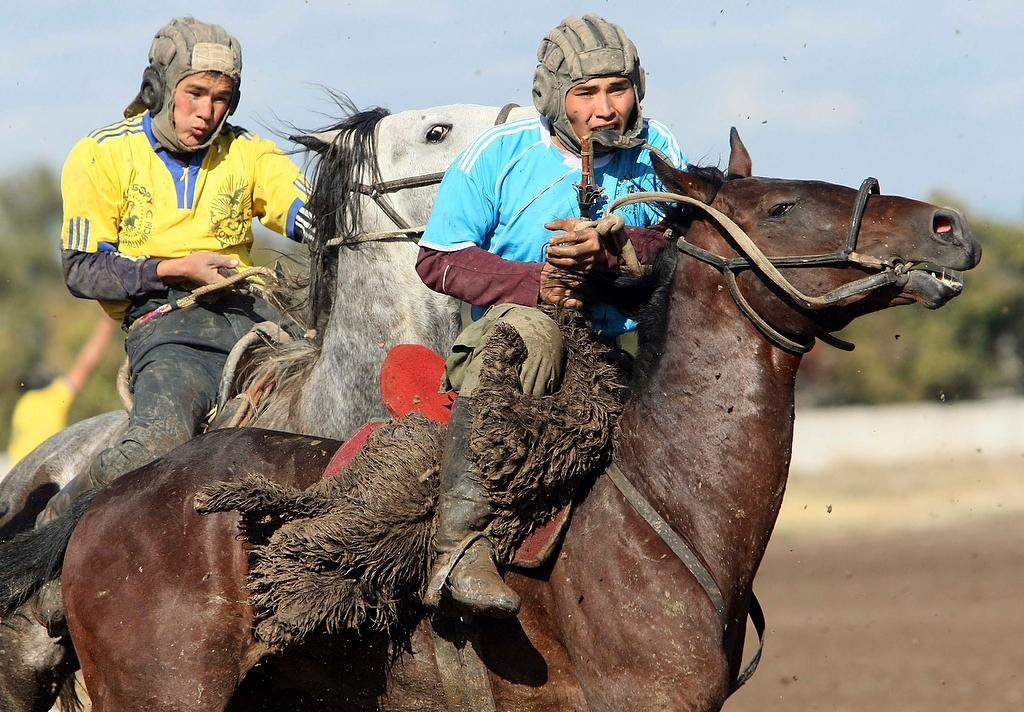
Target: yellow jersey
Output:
[(124, 192)]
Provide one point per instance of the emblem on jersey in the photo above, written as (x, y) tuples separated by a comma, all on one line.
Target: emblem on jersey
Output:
[(137, 220), (231, 214)]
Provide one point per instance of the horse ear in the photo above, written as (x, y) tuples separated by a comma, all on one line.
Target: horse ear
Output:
[(681, 182), (318, 142), (740, 165)]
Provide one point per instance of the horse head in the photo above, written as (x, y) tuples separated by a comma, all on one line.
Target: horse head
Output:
[(372, 191), (807, 257)]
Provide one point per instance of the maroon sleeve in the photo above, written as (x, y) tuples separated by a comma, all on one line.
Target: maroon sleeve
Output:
[(647, 241), (476, 276), (109, 275)]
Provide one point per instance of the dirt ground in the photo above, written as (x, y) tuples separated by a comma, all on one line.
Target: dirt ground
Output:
[(895, 591)]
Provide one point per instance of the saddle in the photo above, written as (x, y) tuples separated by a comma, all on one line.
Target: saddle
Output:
[(408, 383), (352, 551)]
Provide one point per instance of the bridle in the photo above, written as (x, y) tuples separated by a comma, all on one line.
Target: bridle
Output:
[(890, 272), (379, 190)]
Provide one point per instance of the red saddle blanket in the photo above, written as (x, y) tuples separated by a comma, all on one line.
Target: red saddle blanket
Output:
[(408, 382)]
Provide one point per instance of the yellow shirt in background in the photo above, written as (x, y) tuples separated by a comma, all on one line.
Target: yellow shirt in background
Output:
[(37, 415)]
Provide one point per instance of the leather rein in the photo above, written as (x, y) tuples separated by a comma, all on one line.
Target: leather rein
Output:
[(379, 190), (753, 258)]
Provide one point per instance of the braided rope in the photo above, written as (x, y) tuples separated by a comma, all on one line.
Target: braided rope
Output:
[(237, 277)]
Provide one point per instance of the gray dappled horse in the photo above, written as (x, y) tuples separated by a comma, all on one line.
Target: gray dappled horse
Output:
[(367, 298)]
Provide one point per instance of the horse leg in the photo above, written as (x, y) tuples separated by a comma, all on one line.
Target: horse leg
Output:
[(156, 594), (30, 484), (641, 632), (530, 666), (150, 646)]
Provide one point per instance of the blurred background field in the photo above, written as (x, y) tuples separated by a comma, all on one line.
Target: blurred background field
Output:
[(893, 579)]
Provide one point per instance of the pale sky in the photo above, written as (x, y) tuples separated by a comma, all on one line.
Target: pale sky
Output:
[(925, 95)]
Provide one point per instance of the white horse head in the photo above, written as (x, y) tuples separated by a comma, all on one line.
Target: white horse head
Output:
[(394, 163)]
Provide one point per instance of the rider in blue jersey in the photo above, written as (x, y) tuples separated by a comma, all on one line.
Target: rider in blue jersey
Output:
[(502, 237), (515, 178)]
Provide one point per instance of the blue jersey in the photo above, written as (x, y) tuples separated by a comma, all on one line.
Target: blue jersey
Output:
[(512, 180)]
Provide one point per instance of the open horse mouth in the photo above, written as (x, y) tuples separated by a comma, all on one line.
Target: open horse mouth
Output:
[(930, 284)]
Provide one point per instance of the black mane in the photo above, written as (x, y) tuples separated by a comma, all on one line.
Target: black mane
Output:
[(645, 298), (335, 209)]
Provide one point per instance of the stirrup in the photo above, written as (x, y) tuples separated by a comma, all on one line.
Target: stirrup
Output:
[(432, 597)]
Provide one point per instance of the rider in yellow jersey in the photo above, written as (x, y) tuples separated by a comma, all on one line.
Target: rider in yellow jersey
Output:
[(158, 204)]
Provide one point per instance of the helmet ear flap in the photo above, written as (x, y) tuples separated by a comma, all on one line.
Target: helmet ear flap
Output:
[(545, 92), (235, 96), (153, 89)]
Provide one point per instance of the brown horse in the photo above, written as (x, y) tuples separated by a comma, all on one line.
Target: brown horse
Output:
[(155, 594)]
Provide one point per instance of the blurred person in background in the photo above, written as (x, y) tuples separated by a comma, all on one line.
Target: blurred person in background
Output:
[(42, 409)]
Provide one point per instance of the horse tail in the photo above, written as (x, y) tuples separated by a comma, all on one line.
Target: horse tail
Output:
[(35, 557)]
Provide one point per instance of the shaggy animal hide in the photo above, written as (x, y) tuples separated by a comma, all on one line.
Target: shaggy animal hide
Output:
[(353, 552)]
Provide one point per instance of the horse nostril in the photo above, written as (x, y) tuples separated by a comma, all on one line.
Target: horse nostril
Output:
[(947, 227)]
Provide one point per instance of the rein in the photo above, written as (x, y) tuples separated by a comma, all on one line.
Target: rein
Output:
[(682, 550), (379, 190), (754, 258)]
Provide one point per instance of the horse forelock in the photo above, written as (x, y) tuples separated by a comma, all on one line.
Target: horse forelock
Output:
[(334, 205)]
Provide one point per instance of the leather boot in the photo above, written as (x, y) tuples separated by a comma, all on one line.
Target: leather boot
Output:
[(465, 571), (61, 502)]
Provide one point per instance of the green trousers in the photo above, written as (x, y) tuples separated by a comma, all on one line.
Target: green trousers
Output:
[(540, 374)]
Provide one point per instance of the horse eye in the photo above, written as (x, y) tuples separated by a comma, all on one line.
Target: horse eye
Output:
[(437, 133), (780, 209)]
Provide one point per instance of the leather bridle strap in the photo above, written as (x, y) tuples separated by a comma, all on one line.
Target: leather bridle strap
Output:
[(379, 190), (753, 258), (682, 550)]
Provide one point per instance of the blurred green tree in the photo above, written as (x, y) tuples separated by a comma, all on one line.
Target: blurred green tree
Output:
[(40, 322)]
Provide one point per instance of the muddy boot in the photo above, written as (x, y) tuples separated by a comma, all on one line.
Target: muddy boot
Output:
[(465, 571), (61, 502)]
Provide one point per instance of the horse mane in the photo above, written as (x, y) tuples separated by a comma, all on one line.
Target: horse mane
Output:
[(645, 298), (345, 156), (334, 202)]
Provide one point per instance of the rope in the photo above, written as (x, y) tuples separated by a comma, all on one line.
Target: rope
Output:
[(612, 226), (191, 298), (222, 284), (377, 236)]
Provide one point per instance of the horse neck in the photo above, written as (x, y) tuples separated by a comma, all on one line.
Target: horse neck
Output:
[(708, 438), (379, 302)]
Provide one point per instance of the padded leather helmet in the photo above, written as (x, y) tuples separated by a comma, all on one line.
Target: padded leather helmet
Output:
[(183, 47), (578, 50)]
